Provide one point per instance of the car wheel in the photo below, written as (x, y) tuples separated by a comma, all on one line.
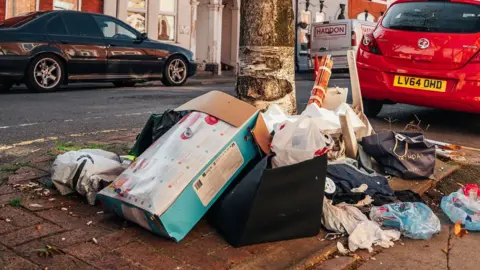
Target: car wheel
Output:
[(371, 107), (175, 72), (45, 73), (5, 86), (124, 84)]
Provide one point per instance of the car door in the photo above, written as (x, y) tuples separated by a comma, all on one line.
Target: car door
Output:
[(82, 43), (129, 55)]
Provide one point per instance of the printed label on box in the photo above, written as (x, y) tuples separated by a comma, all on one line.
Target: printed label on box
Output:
[(219, 172)]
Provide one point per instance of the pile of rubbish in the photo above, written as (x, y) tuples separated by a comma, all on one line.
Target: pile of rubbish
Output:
[(267, 176)]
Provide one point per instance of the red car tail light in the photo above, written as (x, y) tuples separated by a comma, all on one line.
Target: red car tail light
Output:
[(354, 38), (369, 44)]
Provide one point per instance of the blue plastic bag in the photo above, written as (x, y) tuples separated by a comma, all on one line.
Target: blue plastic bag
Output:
[(461, 208), (414, 220)]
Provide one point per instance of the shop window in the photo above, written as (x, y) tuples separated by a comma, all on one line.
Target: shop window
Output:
[(167, 20), (365, 16), (19, 7), (305, 17), (66, 4), (320, 17), (137, 15)]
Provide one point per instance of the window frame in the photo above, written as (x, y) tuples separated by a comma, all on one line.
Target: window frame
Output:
[(79, 4), (174, 14), (81, 14), (7, 6), (119, 22), (139, 10)]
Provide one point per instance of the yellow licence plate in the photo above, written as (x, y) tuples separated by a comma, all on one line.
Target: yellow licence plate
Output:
[(420, 83)]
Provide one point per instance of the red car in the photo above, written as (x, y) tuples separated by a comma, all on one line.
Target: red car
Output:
[(424, 53)]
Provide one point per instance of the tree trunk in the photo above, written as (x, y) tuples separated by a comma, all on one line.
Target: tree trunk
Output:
[(266, 71)]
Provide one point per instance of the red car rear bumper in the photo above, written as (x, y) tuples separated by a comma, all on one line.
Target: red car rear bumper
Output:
[(377, 77)]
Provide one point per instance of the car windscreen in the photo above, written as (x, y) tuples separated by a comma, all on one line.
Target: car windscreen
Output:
[(20, 20), (436, 17)]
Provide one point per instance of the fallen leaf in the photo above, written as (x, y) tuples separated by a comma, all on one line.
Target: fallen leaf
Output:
[(445, 250), (459, 231), (64, 209), (38, 227)]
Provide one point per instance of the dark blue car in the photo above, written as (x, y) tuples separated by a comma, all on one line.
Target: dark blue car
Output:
[(49, 48)]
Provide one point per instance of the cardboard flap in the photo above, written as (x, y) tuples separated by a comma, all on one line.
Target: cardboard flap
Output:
[(261, 135), (223, 106)]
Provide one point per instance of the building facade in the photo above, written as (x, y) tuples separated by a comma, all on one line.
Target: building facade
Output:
[(209, 28), (11, 8)]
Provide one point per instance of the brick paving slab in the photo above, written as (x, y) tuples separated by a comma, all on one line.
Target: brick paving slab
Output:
[(56, 261), (146, 256), (286, 254), (187, 253), (75, 236), (26, 174), (11, 261), (258, 249), (100, 257), (339, 263), (19, 217), (112, 222), (27, 234), (43, 159), (6, 189), (5, 199), (6, 227), (119, 238), (43, 202), (232, 255), (63, 219)]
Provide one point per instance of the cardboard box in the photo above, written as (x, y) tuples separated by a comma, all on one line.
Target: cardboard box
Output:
[(170, 187)]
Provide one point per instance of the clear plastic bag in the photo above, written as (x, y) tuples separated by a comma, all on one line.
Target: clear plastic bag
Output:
[(415, 220), (461, 208), (299, 141)]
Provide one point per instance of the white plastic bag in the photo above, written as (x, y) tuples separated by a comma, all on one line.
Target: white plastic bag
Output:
[(299, 141), (85, 171), (368, 233), (341, 218), (274, 117), (329, 121)]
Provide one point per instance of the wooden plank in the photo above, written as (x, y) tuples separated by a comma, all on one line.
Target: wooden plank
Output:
[(357, 103), (442, 170), (349, 138)]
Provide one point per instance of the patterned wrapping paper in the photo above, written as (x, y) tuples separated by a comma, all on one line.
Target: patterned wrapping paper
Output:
[(321, 82)]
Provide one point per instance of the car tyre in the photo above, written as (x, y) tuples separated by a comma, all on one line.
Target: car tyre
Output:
[(124, 84), (5, 86), (45, 73), (371, 107), (175, 72)]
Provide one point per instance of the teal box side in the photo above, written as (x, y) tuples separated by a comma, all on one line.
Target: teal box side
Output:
[(188, 209)]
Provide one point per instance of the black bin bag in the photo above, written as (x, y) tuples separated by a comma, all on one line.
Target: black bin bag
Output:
[(405, 155), (272, 204), (156, 126)]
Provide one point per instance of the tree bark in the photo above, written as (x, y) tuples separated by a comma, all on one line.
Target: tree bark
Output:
[(266, 67)]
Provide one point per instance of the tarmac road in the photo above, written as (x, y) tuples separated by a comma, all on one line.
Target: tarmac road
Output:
[(88, 108)]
